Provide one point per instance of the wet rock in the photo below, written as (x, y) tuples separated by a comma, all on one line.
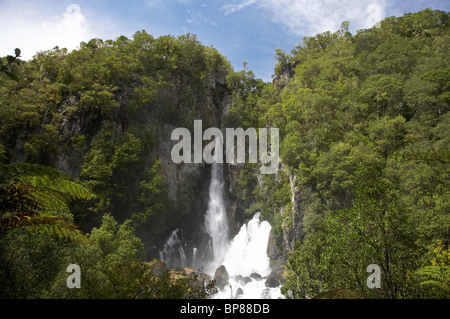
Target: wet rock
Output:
[(242, 280), (255, 275), (221, 276), (273, 251), (272, 282), (246, 280), (276, 278), (203, 278)]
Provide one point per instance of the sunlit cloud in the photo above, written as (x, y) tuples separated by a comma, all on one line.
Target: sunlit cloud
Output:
[(237, 6), (69, 30), (35, 30), (309, 17)]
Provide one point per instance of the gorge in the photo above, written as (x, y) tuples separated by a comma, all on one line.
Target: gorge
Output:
[(244, 256), (361, 177)]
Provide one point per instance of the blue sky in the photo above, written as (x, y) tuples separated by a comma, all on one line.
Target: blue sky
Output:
[(242, 30)]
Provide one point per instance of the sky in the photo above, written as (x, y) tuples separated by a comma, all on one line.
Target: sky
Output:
[(242, 30)]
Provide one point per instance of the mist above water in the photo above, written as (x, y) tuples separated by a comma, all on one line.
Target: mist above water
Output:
[(245, 256)]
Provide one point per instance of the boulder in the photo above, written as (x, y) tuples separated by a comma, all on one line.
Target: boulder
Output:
[(275, 278), (246, 280), (239, 292), (221, 276), (242, 280), (239, 279), (272, 282), (255, 275), (157, 267), (203, 278)]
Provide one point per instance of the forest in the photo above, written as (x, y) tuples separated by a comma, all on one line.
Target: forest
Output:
[(364, 178)]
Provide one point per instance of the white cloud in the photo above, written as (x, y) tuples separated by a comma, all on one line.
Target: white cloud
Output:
[(309, 17), (237, 6), (69, 30), (34, 29)]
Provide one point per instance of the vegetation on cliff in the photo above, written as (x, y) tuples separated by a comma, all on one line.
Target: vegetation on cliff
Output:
[(364, 129), (97, 114), (364, 147)]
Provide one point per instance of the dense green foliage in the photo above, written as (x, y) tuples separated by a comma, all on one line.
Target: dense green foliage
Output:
[(101, 110), (364, 128), (96, 113), (364, 147), (38, 198)]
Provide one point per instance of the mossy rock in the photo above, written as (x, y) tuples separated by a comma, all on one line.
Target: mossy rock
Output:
[(157, 267)]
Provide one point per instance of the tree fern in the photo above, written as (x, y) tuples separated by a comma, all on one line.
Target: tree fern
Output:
[(36, 197), (436, 276)]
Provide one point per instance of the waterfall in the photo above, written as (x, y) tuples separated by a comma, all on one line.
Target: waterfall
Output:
[(173, 252), (216, 220), (244, 256), (247, 252), (247, 263)]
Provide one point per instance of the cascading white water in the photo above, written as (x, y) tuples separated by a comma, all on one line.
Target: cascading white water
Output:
[(216, 221), (173, 252), (245, 255), (245, 260), (247, 252)]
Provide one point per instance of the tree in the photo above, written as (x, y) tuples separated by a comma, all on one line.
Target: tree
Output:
[(375, 230), (36, 226), (111, 264), (112, 267)]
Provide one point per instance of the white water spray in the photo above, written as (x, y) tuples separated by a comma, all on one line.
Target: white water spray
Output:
[(247, 263), (216, 220), (173, 252), (245, 256), (247, 252)]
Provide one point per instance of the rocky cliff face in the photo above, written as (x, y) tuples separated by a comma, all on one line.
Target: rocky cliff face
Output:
[(108, 128), (194, 178), (187, 184)]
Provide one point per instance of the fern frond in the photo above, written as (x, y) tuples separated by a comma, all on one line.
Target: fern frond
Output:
[(63, 231), (437, 276), (55, 226), (35, 187), (15, 221), (31, 194)]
